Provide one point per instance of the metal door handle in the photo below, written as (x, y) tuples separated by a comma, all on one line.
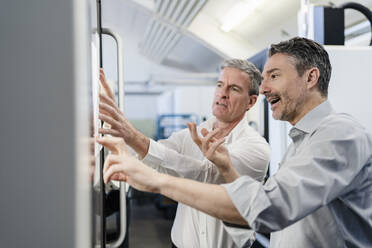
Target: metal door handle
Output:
[(122, 195)]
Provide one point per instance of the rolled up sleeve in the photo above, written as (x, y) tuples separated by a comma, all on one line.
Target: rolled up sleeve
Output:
[(321, 171)]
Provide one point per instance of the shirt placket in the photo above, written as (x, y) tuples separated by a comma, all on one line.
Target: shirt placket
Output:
[(203, 231), (297, 137)]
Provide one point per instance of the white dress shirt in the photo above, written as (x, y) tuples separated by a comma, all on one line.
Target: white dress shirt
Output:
[(321, 195), (180, 156)]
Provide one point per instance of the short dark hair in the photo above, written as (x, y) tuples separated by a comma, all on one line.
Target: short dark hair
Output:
[(306, 54), (250, 69)]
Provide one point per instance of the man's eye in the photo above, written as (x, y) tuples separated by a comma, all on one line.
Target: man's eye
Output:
[(219, 85), (274, 76), (235, 88)]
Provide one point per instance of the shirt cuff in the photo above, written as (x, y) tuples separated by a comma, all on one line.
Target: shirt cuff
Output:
[(248, 197), (155, 155)]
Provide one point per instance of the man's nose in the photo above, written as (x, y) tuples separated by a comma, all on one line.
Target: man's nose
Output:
[(264, 87), (224, 92)]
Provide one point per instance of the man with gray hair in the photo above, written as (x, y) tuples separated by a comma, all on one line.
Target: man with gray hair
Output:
[(236, 92)]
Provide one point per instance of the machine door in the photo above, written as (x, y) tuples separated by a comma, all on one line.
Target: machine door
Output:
[(108, 227)]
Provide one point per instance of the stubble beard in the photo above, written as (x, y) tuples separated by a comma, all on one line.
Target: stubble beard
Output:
[(291, 107)]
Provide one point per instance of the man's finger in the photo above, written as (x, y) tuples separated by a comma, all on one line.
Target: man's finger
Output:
[(115, 144), (109, 120), (114, 168), (104, 112), (110, 131), (110, 160), (211, 135), (112, 143), (207, 139), (119, 177), (204, 132), (194, 135), (105, 85), (104, 98), (104, 141), (107, 109), (215, 145)]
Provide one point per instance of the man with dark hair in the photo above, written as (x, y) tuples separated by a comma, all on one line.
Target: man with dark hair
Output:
[(236, 92), (307, 54), (321, 196)]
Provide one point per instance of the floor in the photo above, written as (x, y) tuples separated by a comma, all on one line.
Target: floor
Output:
[(150, 223), (149, 226)]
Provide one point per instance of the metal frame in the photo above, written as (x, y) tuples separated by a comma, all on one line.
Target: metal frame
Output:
[(123, 216)]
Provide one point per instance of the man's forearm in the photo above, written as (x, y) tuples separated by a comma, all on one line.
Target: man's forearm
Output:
[(230, 174), (140, 144), (209, 198)]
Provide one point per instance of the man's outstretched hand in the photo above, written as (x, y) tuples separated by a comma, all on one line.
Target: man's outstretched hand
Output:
[(214, 150), (110, 113), (122, 166)]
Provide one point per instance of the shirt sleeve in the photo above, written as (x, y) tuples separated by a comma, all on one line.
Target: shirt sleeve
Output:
[(319, 173), (168, 156), (249, 157), (169, 161)]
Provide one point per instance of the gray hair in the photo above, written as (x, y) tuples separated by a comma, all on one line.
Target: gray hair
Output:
[(250, 69), (307, 54)]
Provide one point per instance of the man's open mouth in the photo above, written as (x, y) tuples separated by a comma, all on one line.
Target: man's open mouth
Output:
[(221, 104), (274, 100)]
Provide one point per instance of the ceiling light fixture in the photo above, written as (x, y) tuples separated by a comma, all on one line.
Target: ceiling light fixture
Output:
[(238, 13)]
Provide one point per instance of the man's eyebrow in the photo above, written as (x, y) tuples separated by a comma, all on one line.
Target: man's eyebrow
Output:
[(272, 70), (236, 85), (231, 85)]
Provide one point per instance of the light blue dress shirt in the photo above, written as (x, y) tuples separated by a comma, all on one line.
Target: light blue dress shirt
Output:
[(321, 195)]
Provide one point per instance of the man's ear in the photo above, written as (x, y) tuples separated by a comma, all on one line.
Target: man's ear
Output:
[(252, 101), (312, 77)]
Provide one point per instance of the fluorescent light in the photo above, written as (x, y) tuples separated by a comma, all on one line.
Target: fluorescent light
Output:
[(238, 13)]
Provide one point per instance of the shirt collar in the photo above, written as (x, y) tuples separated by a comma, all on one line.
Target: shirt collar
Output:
[(236, 131), (312, 119)]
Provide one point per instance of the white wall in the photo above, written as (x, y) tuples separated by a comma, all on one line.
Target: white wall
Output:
[(141, 107), (180, 100), (351, 86), (196, 100), (165, 103)]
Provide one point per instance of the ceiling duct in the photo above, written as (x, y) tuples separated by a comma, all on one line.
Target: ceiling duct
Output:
[(165, 27)]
